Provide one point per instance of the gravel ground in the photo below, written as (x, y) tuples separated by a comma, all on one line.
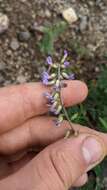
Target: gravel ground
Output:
[(20, 59)]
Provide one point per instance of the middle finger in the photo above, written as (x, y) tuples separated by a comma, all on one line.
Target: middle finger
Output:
[(39, 132)]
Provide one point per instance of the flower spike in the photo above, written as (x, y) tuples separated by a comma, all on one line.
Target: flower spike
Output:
[(57, 72)]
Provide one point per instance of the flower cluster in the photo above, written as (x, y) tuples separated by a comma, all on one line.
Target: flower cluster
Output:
[(54, 76)]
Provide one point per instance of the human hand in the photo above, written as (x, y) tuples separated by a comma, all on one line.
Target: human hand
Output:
[(62, 162)]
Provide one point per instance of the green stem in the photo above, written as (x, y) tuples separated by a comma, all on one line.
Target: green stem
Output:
[(64, 109)]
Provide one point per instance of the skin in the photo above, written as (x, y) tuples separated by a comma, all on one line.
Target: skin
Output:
[(24, 124)]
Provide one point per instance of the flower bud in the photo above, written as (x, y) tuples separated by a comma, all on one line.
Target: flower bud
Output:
[(65, 75), (54, 105), (60, 118), (65, 56), (58, 110), (57, 84), (55, 66), (52, 76), (56, 96), (51, 82), (66, 63), (63, 66)]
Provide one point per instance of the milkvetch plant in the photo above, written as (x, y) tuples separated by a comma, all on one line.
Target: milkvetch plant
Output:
[(55, 75)]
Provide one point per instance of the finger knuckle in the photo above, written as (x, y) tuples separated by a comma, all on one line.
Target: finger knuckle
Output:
[(61, 167), (28, 107)]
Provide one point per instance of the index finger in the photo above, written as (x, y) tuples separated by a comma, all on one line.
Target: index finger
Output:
[(21, 102)]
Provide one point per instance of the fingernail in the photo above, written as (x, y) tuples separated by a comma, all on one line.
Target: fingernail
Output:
[(92, 150)]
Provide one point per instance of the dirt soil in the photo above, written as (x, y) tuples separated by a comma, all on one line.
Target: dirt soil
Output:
[(20, 58)]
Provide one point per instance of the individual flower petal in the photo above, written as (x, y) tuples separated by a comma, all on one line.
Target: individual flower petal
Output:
[(65, 56), (72, 76), (65, 53), (45, 81), (57, 123), (66, 63), (45, 75), (52, 110), (49, 60), (47, 95), (53, 107)]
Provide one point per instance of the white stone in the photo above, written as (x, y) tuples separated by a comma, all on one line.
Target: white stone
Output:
[(70, 15), (4, 23)]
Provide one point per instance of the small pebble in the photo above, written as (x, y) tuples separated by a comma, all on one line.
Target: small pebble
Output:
[(97, 69), (24, 36), (2, 66), (69, 15), (9, 52), (14, 44), (4, 23), (83, 23), (47, 13)]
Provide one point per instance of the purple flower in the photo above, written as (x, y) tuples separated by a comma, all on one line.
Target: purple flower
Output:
[(72, 76), (58, 121), (45, 77), (65, 53), (45, 81), (48, 96), (53, 106), (66, 63), (52, 110), (49, 60)]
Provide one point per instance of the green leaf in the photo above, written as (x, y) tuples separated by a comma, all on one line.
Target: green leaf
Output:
[(51, 34), (89, 186), (98, 170), (94, 182), (46, 45), (73, 117), (99, 176), (103, 123)]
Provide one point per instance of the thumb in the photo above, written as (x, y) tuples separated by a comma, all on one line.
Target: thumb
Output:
[(59, 165), (69, 159)]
